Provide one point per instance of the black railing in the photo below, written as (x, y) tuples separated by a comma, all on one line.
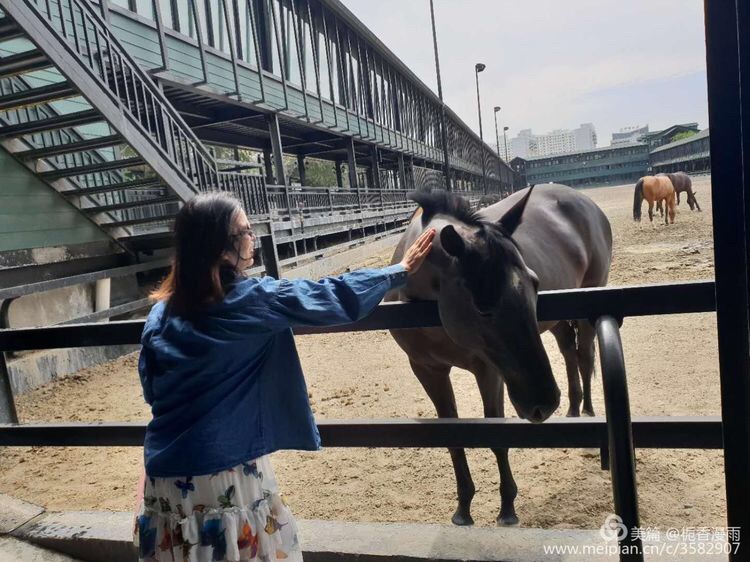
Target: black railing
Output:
[(86, 36), (618, 435)]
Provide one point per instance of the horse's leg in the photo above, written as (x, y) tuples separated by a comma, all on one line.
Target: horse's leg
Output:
[(695, 202), (566, 341), (436, 382), (491, 388), (660, 208), (672, 209), (585, 353), (678, 197), (651, 212)]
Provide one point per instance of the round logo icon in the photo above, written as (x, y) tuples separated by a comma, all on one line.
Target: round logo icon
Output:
[(613, 528)]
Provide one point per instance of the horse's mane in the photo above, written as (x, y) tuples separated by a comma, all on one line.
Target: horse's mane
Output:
[(447, 203)]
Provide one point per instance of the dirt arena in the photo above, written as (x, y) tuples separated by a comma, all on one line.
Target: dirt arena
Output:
[(672, 367)]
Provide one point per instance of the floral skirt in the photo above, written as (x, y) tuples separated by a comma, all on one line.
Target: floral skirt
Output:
[(233, 515)]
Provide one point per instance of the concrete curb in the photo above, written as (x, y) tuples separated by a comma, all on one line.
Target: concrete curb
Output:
[(95, 536)]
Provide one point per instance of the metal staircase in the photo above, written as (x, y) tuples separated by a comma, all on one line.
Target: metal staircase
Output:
[(82, 114)]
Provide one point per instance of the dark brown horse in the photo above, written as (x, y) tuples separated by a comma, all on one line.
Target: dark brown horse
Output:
[(682, 184), (484, 271)]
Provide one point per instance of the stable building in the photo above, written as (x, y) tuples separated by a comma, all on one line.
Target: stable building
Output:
[(691, 155), (612, 165)]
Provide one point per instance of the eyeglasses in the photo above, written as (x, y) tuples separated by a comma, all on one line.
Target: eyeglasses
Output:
[(244, 232)]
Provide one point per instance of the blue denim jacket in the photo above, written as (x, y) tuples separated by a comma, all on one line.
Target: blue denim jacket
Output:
[(228, 387)]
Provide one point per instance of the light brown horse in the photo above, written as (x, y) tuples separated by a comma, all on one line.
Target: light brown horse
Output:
[(654, 189)]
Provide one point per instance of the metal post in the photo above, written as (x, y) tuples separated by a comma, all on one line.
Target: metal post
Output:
[(401, 172), (301, 169), (339, 177), (727, 51), (277, 149), (268, 162), (351, 163), (8, 412), (505, 142), (479, 67), (270, 256), (375, 168), (620, 434), (443, 121), (497, 136)]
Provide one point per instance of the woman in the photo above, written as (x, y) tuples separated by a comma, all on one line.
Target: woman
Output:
[(221, 373)]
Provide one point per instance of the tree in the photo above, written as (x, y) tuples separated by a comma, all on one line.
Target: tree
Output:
[(683, 135)]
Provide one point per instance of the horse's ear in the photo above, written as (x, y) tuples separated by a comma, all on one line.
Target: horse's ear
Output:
[(513, 217), (452, 242)]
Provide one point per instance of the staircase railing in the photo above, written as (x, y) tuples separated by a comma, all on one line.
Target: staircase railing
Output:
[(128, 85)]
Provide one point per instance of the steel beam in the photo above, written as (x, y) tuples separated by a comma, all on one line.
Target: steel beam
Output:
[(727, 55), (277, 148)]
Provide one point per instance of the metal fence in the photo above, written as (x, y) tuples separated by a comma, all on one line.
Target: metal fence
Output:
[(617, 435)]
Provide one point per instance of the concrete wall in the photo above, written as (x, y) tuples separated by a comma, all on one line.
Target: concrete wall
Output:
[(33, 215)]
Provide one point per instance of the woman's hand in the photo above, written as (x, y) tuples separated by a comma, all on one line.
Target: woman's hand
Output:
[(417, 252)]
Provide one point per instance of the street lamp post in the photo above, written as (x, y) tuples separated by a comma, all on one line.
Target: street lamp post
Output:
[(497, 137), (443, 129), (479, 67), (505, 142)]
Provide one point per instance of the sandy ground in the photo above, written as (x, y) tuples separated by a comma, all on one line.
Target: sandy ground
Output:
[(672, 368)]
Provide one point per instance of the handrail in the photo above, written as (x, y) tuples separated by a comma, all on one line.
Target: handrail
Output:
[(96, 47), (86, 34)]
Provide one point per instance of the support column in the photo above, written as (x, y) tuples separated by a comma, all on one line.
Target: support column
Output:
[(339, 178), (375, 167), (102, 295), (301, 168), (268, 162), (352, 163), (277, 148), (401, 172), (7, 404), (270, 256)]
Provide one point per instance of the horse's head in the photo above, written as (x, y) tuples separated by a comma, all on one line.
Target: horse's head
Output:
[(487, 301)]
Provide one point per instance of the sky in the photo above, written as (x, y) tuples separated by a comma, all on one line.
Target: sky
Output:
[(554, 64)]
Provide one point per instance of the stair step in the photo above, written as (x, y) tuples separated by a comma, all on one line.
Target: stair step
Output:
[(133, 222), (51, 123), (71, 147), (149, 183), (9, 30), (92, 168), (21, 63), (36, 96), (130, 205), (148, 241)]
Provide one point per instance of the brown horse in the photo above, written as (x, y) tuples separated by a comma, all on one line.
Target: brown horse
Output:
[(485, 270), (683, 184), (654, 189)]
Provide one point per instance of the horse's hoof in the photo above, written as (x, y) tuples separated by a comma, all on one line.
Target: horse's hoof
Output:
[(462, 520), (589, 412), (572, 413), (507, 520)]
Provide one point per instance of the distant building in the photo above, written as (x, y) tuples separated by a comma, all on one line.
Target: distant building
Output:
[(656, 139), (614, 165), (691, 155), (629, 135), (528, 145)]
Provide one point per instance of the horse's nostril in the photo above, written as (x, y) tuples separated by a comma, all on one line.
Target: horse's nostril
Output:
[(537, 415)]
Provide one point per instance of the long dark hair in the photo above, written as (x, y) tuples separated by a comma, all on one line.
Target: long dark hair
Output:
[(202, 232)]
